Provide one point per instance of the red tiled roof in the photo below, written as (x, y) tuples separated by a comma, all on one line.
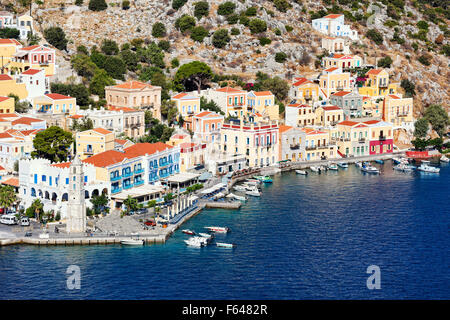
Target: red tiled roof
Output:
[(133, 85), (348, 123), (341, 93), (394, 96), (4, 135), (284, 128), (2, 168), (4, 99), (31, 71), (12, 182), (301, 81), (332, 16), (57, 96), (263, 93), (331, 69), (229, 90), (76, 116), (25, 120), (5, 77), (121, 141), (329, 108), (140, 149), (374, 71), (298, 105), (371, 121), (9, 41), (30, 48), (124, 109), (62, 165), (102, 131), (179, 136), (180, 95)]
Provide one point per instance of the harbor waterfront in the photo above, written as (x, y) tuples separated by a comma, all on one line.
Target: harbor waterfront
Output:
[(306, 237)]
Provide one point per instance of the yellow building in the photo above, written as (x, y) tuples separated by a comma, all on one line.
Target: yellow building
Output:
[(370, 108), (332, 80), (94, 141), (263, 103), (328, 115), (34, 57), (352, 138), (377, 84), (6, 105), (55, 103), (299, 115), (9, 86), (8, 47), (186, 104), (318, 146), (257, 141), (398, 110), (342, 61), (304, 90)]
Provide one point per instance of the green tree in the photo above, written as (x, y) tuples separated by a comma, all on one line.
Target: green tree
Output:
[(278, 86), (56, 37), (235, 31), (7, 196), (99, 81), (175, 63), (79, 3), (177, 4), (130, 204), (226, 8), (99, 203), (251, 12), (220, 38), (83, 125), (97, 5), (20, 106), (53, 144), (115, 67), (159, 30), (185, 23), (232, 18), (130, 59), (193, 75), (164, 45), (282, 5), (438, 118), (409, 87), (98, 58), (375, 36), (201, 9), (421, 128), (125, 4), (210, 105), (36, 208), (257, 26), (385, 62), (79, 91), (83, 65), (424, 59), (109, 47), (280, 57), (9, 33)]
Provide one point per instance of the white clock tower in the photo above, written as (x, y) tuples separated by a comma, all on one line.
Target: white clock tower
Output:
[(76, 207)]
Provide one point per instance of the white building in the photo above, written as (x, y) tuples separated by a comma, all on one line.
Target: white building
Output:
[(334, 25), (39, 179), (36, 82), (23, 23)]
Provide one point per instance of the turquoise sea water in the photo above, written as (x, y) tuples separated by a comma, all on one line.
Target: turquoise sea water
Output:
[(307, 237)]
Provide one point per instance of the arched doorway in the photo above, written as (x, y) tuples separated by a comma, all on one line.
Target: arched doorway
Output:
[(86, 194)]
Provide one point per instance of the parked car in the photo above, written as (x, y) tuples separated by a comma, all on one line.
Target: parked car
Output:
[(8, 219), (150, 223)]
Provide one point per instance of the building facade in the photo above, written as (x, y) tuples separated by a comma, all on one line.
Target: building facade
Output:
[(349, 102), (94, 141), (334, 25), (291, 144)]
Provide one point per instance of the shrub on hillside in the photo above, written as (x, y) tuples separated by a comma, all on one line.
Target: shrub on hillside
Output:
[(97, 5), (220, 38)]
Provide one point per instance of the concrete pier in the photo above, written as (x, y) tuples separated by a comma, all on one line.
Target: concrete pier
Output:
[(223, 205)]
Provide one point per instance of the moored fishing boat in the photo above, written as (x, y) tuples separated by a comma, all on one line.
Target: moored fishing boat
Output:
[(444, 159), (358, 164), (187, 231), (235, 196), (403, 167), (132, 242), (302, 172), (379, 161), (194, 242), (342, 164), (315, 169), (332, 166), (240, 188), (425, 167), (265, 179), (225, 245), (218, 229), (369, 169), (253, 192)]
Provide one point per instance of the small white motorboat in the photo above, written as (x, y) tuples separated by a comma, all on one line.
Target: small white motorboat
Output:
[(253, 182), (206, 235), (235, 196), (187, 231), (342, 164), (332, 166), (253, 192), (369, 169), (315, 169), (403, 167), (425, 167), (218, 229), (444, 159), (195, 242), (132, 242), (240, 188), (302, 172), (358, 164), (225, 245)]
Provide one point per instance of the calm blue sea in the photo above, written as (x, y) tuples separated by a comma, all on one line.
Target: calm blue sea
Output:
[(307, 237)]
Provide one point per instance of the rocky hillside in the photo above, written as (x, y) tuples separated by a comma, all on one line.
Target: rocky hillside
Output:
[(290, 32)]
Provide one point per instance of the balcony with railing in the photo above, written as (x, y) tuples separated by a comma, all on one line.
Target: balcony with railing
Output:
[(402, 114), (127, 186), (88, 151), (311, 147), (383, 84), (138, 170), (127, 174), (116, 190), (138, 182), (116, 178), (295, 146), (381, 137), (362, 140)]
